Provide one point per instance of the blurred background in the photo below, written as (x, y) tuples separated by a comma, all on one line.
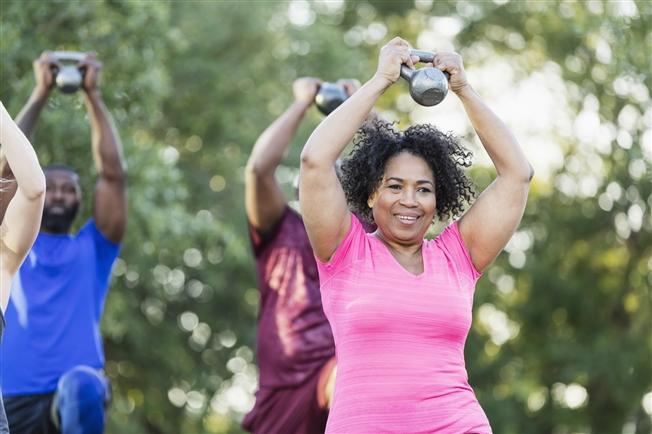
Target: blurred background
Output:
[(562, 334)]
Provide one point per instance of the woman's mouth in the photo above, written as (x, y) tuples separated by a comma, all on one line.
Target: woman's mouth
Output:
[(407, 219)]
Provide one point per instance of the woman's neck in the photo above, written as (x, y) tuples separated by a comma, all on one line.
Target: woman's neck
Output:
[(408, 255), (405, 250)]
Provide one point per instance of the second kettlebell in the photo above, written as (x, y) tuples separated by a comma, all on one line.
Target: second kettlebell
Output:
[(329, 97), (69, 77)]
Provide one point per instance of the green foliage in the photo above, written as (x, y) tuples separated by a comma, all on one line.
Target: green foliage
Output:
[(191, 86), (582, 299)]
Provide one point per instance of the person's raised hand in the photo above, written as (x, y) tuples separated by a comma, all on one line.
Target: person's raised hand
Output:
[(451, 62), (305, 89), (44, 71), (394, 54), (350, 85), (91, 68)]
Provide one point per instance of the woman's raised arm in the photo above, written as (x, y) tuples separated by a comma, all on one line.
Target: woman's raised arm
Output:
[(323, 204)]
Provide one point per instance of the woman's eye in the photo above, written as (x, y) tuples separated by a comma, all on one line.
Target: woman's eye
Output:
[(425, 190), (394, 186)]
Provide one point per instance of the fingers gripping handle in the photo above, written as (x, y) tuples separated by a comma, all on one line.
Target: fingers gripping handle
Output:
[(424, 57)]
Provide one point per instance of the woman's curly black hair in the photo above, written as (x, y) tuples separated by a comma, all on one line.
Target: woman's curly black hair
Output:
[(377, 141)]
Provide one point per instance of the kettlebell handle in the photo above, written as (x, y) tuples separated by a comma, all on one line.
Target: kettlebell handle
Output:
[(74, 56), (424, 57)]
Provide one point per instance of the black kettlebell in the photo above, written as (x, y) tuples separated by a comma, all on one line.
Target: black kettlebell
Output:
[(428, 86), (329, 97), (69, 77)]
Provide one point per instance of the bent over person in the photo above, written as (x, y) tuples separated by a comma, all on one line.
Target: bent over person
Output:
[(52, 354), (20, 217)]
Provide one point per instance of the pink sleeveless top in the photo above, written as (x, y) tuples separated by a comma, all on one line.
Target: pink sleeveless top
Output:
[(399, 338)]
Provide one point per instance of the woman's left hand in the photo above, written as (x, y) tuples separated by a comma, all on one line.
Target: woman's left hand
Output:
[(451, 62)]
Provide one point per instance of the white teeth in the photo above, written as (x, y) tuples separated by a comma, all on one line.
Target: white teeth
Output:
[(406, 218)]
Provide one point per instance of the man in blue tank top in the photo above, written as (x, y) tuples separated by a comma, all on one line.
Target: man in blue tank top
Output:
[(52, 355)]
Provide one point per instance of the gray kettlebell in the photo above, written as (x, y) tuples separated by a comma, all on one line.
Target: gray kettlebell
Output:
[(428, 86), (69, 77), (329, 97)]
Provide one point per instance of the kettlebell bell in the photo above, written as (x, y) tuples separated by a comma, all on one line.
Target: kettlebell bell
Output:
[(329, 97), (428, 86), (69, 77)]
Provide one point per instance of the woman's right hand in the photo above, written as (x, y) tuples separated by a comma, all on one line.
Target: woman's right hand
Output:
[(392, 56)]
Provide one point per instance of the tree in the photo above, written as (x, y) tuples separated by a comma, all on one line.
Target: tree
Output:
[(560, 341)]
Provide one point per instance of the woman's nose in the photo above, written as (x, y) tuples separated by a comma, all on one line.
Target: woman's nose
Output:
[(408, 198)]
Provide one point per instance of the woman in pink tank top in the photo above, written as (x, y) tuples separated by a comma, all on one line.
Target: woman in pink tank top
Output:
[(400, 305)]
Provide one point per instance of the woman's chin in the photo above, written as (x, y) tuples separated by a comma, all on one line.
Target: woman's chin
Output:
[(405, 236)]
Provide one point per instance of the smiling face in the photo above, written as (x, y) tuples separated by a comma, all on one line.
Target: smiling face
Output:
[(404, 204)]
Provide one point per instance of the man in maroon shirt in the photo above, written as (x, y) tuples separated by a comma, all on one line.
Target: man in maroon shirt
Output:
[(295, 349)]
